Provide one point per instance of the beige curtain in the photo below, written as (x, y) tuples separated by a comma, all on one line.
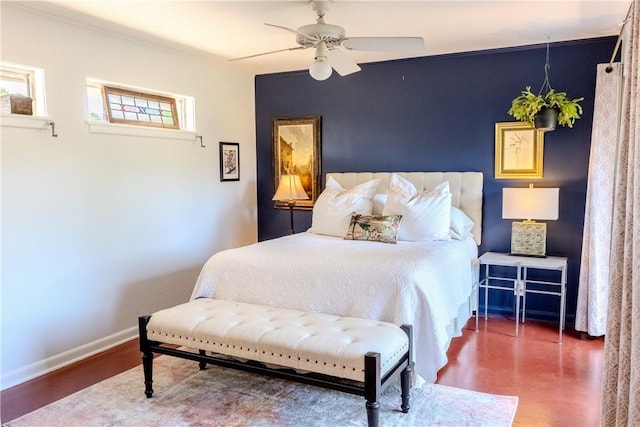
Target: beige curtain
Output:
[(621, 379), (593, 289)]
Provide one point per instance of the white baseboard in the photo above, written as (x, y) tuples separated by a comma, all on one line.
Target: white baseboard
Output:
[(36, 369)]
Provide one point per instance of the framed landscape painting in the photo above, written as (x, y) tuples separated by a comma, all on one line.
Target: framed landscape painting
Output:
[(296, 151)]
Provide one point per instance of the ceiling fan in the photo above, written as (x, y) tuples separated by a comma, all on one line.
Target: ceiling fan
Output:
[(330, 43)]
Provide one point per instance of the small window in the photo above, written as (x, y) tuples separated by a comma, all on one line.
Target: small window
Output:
[(14, 81), (109, 103), (26, 81), (128, 107)]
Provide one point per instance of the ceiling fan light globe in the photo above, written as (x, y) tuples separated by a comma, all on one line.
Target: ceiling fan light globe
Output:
[(320, 69)]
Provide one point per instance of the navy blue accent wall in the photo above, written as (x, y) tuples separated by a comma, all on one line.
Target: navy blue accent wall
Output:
[(438, 114)]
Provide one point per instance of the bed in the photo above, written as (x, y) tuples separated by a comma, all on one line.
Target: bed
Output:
[(429, 284)]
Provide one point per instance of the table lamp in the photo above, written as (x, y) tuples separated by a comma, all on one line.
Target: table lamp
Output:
[(529, 237), (289, 190)]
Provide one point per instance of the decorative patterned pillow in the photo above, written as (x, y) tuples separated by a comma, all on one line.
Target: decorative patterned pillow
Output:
[(374, 228)]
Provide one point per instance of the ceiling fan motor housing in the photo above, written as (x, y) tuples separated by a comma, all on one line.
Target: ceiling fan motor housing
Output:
[(332, 35)]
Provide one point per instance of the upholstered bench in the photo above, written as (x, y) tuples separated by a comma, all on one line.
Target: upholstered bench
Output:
[(356, 356)]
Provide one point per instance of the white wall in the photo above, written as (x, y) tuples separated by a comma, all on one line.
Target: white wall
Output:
[(98, 229)]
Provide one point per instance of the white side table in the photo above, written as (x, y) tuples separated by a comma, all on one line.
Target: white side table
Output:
[(521, 285)]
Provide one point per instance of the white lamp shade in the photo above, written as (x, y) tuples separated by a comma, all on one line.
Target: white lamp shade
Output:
[(530, 203), (290, 188)]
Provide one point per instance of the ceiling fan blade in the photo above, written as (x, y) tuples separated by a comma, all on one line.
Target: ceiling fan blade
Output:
[(303, 35), (268, 53), (341, 62), (395, 44)]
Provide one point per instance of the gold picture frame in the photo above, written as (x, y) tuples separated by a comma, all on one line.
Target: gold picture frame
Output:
[(519, 151), (296, 150)]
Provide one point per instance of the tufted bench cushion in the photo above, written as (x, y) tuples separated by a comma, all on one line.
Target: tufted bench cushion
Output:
[(357, 356), (315, 342)]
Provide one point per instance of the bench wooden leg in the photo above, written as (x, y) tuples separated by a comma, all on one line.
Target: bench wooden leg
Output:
[(147, 366), (372, 383), (405, 375), (202, 364), (373, 413), (405, 385), (147, 355)]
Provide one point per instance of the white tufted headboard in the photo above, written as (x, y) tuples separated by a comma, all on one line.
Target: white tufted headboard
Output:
[(466, 188)]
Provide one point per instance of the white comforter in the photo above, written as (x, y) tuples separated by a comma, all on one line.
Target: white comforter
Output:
[(420, 283)]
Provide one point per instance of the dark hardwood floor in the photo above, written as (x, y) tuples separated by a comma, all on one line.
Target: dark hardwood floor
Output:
[(557, 385)]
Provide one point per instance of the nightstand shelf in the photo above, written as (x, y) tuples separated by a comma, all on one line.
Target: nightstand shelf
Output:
[(521, 284)]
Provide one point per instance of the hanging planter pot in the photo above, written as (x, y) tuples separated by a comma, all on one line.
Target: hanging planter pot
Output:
[(546, 119), (548, 109)]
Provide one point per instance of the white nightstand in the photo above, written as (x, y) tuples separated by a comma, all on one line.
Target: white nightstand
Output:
[(521, 285)]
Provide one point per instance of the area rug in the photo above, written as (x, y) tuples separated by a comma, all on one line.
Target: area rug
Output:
[(186, 396)]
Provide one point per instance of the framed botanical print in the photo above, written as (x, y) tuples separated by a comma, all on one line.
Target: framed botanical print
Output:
[(519, 151)]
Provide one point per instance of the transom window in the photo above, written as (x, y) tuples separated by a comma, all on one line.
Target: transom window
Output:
[(125, 106), (111, 103)]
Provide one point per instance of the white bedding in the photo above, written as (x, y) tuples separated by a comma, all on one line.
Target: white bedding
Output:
[(426, 284)]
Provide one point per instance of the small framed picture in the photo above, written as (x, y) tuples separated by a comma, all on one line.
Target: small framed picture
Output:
[(229, 161), (519, 151)]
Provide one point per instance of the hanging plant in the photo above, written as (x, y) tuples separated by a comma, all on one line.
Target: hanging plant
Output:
[(529, 105), (543, 111)]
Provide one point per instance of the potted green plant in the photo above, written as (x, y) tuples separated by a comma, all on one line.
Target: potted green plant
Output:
[(544, 111)]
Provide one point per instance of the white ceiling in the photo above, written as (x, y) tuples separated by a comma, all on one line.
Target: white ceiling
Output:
[(232, 29)]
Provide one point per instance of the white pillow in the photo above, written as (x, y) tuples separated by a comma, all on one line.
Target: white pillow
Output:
[(379, 199), (461, 224), (425, 216), (460, 227), (332, 211)]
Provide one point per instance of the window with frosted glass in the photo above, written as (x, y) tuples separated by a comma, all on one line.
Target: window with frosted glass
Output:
[(137, 108)]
